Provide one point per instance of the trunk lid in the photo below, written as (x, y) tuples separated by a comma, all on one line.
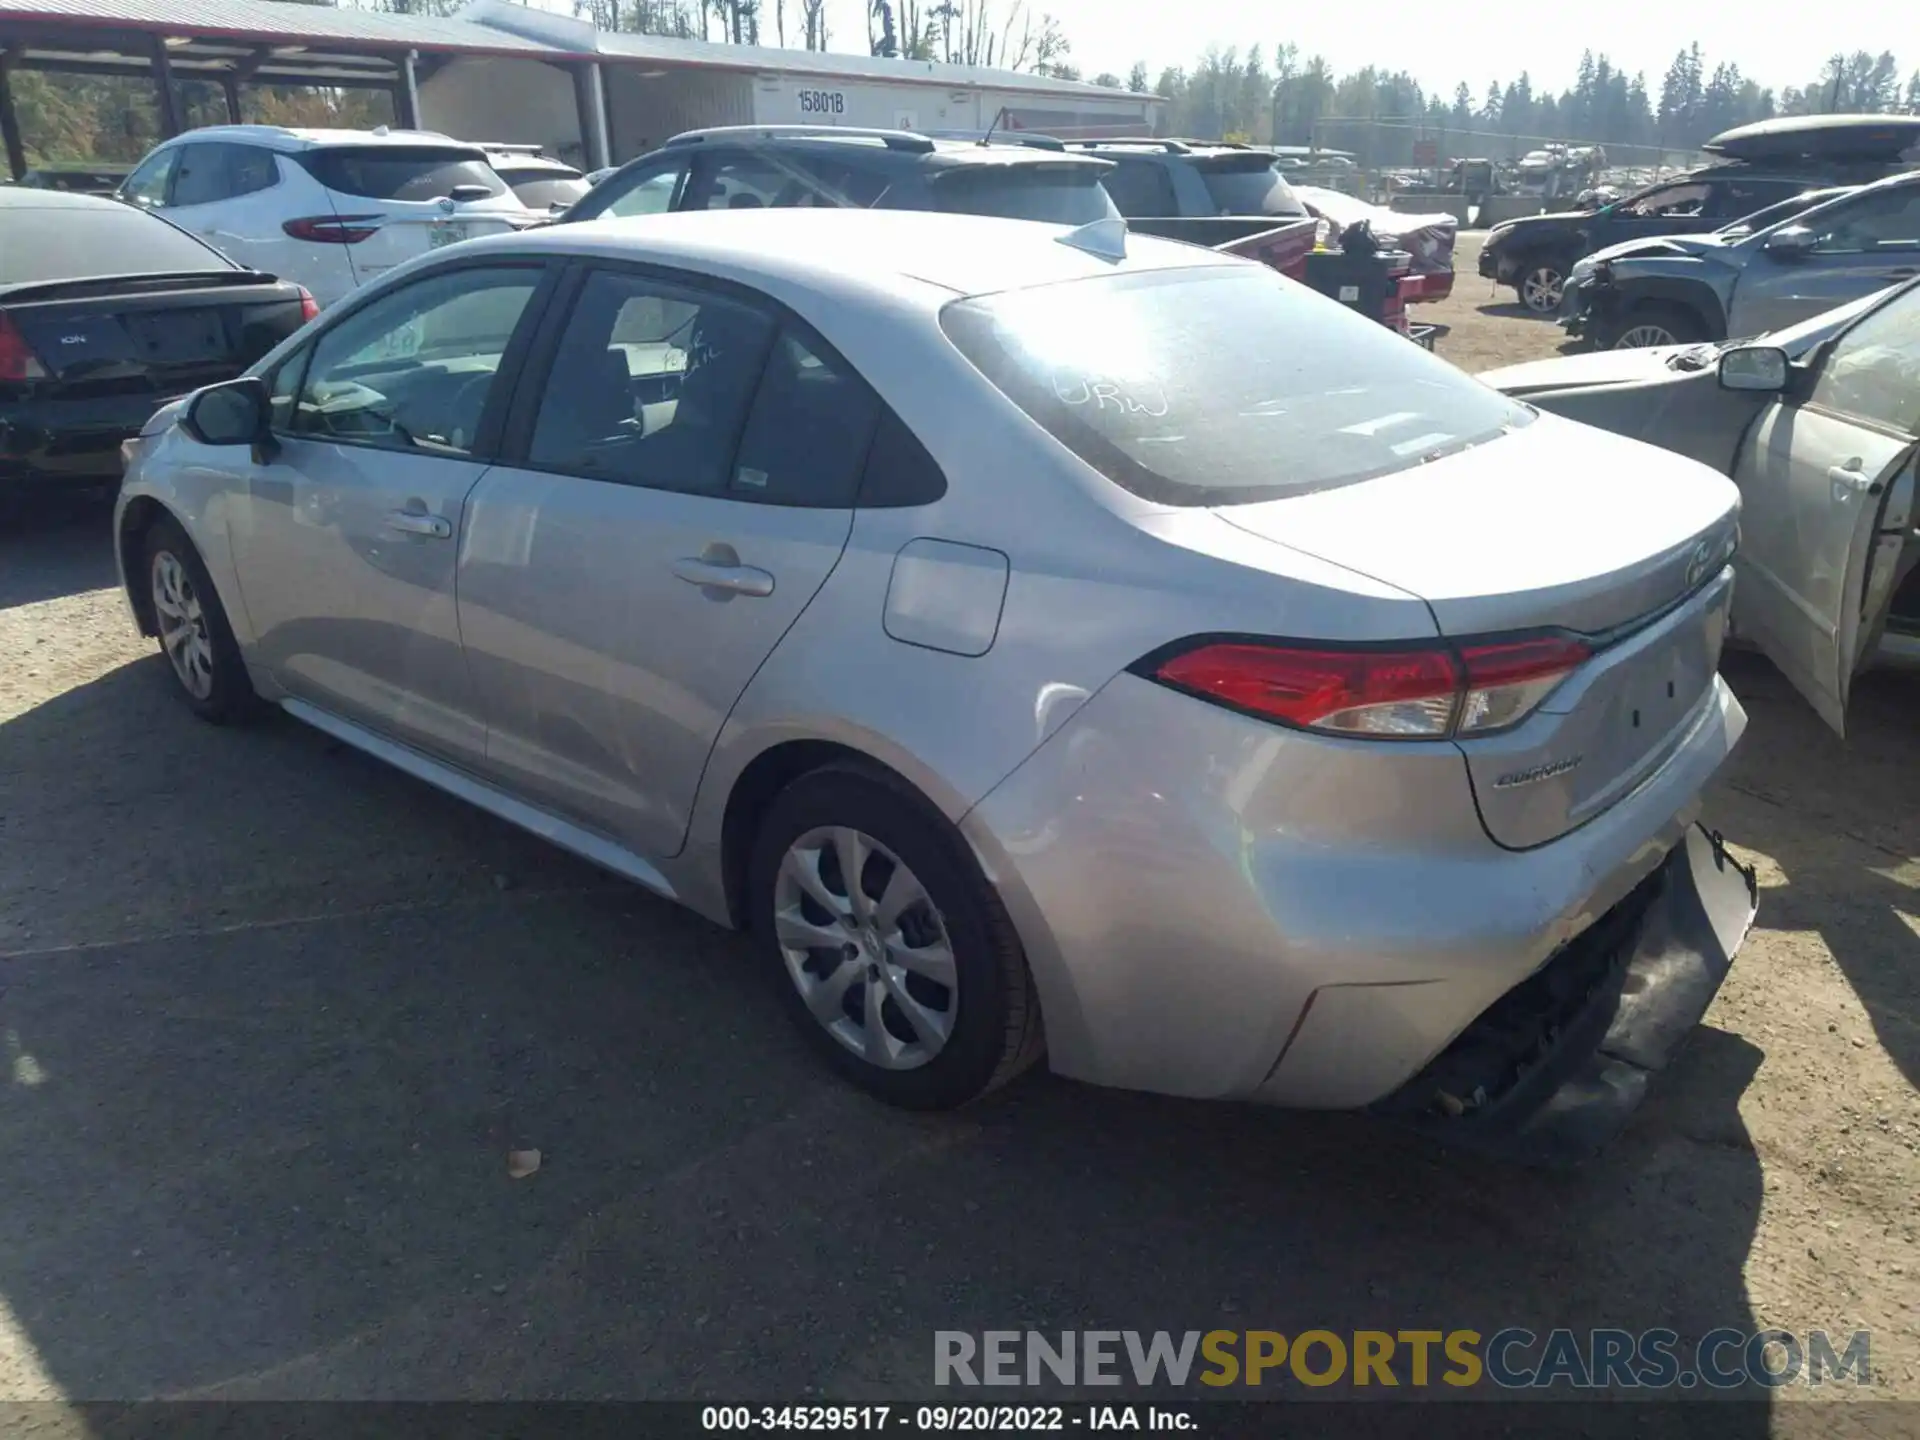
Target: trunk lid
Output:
[(161, 334), (1553, 527)]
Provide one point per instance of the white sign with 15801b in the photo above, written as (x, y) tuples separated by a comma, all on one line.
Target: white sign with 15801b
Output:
[(827, 103)]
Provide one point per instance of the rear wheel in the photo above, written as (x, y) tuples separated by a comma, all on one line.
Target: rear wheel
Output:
[(893, 953), (194, 633), (1540, 285), (1649, 325)]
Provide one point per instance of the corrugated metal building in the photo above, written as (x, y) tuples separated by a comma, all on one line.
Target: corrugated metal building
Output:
[(502, 71)]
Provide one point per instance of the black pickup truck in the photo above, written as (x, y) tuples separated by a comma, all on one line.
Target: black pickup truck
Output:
[(1757, 166)]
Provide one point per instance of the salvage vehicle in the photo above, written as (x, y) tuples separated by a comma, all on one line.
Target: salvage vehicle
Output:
[(1709, 287), (106, 314), (747, 167), (1818, 425), (1759, 165), (980, 611)]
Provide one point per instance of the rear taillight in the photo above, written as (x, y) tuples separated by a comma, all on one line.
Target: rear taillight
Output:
[(1419, 692), (333, 229), (309, 307), (17, 360)]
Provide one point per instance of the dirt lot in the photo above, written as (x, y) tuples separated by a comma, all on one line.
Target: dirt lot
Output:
[(273, 1016)]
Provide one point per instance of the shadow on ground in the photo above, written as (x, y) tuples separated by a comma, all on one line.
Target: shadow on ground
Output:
[(54, 548), (275, 1015)]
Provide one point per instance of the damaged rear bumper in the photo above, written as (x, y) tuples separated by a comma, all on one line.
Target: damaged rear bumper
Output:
[(1553, 1070)]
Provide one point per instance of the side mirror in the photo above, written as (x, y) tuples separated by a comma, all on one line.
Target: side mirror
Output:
[(234, 412), (1790, 242), (1761, 368)]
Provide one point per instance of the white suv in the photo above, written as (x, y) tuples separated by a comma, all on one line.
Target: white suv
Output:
[(329, 209)]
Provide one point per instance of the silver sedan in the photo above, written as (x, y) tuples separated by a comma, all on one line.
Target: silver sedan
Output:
[(1043, 641)]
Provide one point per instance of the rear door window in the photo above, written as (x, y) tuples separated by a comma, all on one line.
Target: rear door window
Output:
[(1221, 385), (809, 430), (400, 172), (1058, 194), (650, 385)]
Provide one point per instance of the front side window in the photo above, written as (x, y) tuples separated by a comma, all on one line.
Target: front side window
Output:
[(650, 385), (650, 193), (200, 178), (1668, 201), (148, 185), (1885, 220), (413, 370), (743, 182), (1873, 371), (1218, 385)]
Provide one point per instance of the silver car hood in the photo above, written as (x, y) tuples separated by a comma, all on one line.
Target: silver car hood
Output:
[(1514, 533), (1661, 245), (1595, 367)]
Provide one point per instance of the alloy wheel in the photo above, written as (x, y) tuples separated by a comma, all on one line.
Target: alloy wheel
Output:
[(183, 625), (1640, 337), (866, 948), (1541, 288)]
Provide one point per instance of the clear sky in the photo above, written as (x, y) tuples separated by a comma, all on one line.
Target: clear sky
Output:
[(1441, 42)]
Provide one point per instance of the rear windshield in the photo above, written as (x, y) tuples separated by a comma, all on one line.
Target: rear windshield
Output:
[(395, 172), (538, 189), (1223, 385), (1061, 194), (71, 244), (1248, 185)]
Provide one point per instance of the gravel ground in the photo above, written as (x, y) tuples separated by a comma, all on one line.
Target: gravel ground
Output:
[(273, 1017)]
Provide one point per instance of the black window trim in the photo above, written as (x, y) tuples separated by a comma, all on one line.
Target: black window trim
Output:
[(521, 411), (493, 417)]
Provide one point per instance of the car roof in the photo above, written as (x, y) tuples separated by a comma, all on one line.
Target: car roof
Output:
[(881, 149), (804, 247), (290, 139), (31, 197)]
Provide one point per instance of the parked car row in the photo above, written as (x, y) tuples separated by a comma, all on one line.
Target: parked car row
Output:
[(1759, 165)]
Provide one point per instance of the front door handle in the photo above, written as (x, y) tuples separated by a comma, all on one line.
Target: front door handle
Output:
[(730, 579), (1852, 476), (412, 522)]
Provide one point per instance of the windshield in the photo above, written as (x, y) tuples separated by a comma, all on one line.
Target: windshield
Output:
[(1223, 385), (1248, 185), (67, 243), (1060, 194), (397, 172)]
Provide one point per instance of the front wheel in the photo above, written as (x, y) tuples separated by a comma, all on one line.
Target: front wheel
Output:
[(1648, 325), (192, 626), (893, 953), (1540, 285)]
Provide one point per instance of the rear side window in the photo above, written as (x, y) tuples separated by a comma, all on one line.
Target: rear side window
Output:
[(1059, 194), (1248, 185), (397, 172), (1221, 385), (75, 244), (808, 433)]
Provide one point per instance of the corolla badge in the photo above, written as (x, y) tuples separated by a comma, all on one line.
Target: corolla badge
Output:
[(1699, 563), (1537, 773)]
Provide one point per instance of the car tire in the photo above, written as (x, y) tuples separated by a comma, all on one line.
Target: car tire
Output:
[(195, 638), (958, 1019), (1645, 326), (1540, 284)]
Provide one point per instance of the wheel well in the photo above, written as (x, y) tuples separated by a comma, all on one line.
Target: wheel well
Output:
[(766, 775), (140, 514)]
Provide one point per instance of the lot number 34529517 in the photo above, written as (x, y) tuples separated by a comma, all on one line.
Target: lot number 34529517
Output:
[(823, 102)]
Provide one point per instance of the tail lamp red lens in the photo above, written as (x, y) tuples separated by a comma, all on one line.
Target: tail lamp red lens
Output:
[(17, 360), (333, 229), (309, 307), (1419, 692)]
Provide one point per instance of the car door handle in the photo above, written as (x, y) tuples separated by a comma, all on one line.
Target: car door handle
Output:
[(412, 522), (734, 579), (1853, 476)]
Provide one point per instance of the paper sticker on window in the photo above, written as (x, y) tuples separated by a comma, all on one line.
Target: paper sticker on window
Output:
[(750, 479), (1349, 294)]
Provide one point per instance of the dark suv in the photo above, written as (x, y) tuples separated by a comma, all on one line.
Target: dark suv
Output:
[(1761, 164), (745, 167)]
